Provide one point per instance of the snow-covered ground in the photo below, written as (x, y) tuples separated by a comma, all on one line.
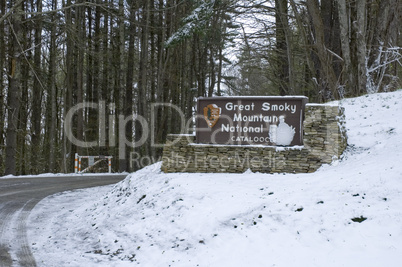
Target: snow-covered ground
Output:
[(345, 214)]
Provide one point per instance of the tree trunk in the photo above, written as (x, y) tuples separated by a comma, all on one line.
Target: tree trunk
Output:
[(2, 89), (142, 79), (52, 95), (163, 59), (119, 93), (128, 100), (68, 148), (13, 92), (348, 73), (25, 42), (97, 59), (80, 28), (92, 129), (361, 46), (329, 86), (220, 69), (212, 72), (37, 93), (283, 49)]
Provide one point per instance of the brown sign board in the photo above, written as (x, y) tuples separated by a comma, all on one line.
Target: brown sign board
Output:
[(259, 120)]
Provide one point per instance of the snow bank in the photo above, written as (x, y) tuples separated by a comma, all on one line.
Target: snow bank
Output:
[(345, 214)]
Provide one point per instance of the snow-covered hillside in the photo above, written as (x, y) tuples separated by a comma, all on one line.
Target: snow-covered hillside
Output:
[(345, 214)]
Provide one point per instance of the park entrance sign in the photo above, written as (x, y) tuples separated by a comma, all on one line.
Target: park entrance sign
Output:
[(260, 134), (273, 121)]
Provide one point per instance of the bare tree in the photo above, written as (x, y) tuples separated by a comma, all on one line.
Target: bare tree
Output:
[(2, 81), (37, 92), (51, 85), (14, 90), (329, 83)]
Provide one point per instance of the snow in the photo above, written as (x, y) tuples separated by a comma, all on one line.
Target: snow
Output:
[(329, 104), (250, 219)]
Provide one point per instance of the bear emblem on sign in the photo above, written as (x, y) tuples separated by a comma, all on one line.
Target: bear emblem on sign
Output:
[(211, 114)]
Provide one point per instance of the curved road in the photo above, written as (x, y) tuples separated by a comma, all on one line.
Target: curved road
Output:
[(18, 196)]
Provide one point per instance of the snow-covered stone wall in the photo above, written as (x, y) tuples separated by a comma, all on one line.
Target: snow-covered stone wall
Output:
[(324, 141)]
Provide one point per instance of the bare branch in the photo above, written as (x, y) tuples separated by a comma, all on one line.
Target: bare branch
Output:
[(5, 16)]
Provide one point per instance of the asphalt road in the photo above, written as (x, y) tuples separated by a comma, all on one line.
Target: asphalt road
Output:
[(19, 196)]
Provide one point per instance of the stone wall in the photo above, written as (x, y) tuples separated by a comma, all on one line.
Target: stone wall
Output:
[(324, 140)]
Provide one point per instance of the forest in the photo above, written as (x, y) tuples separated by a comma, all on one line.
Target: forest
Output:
[(128, 67)]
